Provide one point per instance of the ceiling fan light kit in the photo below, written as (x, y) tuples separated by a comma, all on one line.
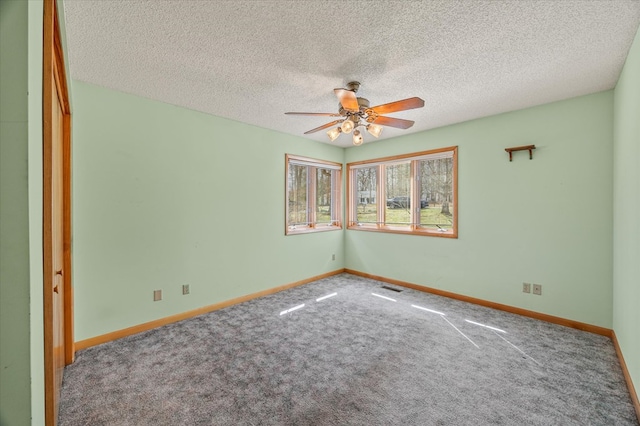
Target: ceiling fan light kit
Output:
[(357, 113), (357, 138), (347, 126), (374, 130), (334, 133)]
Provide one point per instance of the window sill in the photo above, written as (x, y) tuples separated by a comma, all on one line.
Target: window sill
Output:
[(309, 230), (406, 230)]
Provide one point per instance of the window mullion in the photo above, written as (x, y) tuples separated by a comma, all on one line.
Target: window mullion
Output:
[(380, 195), (414, 216), (311, 195), (336, 202)]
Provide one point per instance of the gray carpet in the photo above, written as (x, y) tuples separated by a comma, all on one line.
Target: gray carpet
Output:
[(350, 359)]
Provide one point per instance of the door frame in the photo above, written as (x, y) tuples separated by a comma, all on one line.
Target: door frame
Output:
[(54, 75)]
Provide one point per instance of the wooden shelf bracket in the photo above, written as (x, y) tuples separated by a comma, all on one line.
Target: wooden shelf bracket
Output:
[(529, 148)]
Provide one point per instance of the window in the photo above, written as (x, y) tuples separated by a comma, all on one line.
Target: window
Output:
[(409, 194), (313, 195)]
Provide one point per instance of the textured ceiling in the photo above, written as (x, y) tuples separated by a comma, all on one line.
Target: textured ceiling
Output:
[(252, 61)]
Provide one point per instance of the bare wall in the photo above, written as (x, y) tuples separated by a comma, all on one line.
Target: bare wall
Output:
[(626, 211), (165, 196), (546, 221)]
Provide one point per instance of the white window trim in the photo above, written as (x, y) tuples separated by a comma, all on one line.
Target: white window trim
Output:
[(413, 228), (336, 196)]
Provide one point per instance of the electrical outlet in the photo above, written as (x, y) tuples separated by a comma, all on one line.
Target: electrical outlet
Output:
[(537, 289), (333, 257), (526, 288), (157, 295), (185, 289)]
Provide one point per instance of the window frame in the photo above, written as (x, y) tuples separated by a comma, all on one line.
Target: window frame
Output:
[(336, 195), (380, 225)]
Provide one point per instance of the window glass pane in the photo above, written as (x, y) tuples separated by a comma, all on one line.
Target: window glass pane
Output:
[(297, 189), (324, 189), (415, 194), (366, 208), (313, 195), (436, 189), (398, 194)]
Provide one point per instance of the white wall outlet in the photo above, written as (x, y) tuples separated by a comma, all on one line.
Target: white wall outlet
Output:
[(537, 289), (185, 289), (526, 288), (333, 257), (157, 295)]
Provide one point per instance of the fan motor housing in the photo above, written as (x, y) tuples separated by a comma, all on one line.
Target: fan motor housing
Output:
[(363, 103)]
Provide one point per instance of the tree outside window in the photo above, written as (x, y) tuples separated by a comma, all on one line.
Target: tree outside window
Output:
[(313, 195), (414, 193)]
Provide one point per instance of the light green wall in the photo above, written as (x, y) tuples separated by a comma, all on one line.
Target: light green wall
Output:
[(120, 258), (21, 338), (165, 196), (626, 213), (153, 201), (15, 392), (546, 220), (35, 209)]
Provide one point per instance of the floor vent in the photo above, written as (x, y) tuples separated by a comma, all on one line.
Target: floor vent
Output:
[(397, 290)]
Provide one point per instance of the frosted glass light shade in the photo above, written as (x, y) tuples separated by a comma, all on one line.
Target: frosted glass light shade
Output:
[(357, 138), (374, 130), (334, 133), (347, 126)]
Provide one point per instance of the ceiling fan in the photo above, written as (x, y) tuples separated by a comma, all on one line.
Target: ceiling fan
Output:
[(356, 112)]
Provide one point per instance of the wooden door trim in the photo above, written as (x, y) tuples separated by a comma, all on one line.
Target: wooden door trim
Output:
[(54, 75)]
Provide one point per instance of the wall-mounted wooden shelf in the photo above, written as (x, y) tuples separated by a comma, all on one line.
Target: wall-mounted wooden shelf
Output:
[(529, 148)]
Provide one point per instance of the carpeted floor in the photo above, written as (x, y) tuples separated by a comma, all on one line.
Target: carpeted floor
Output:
[(350, 359)]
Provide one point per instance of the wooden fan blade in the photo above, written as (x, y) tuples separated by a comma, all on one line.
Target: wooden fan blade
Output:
[(402, 105), (324, 126), (324, 114), (393, 122), (347, 99)]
